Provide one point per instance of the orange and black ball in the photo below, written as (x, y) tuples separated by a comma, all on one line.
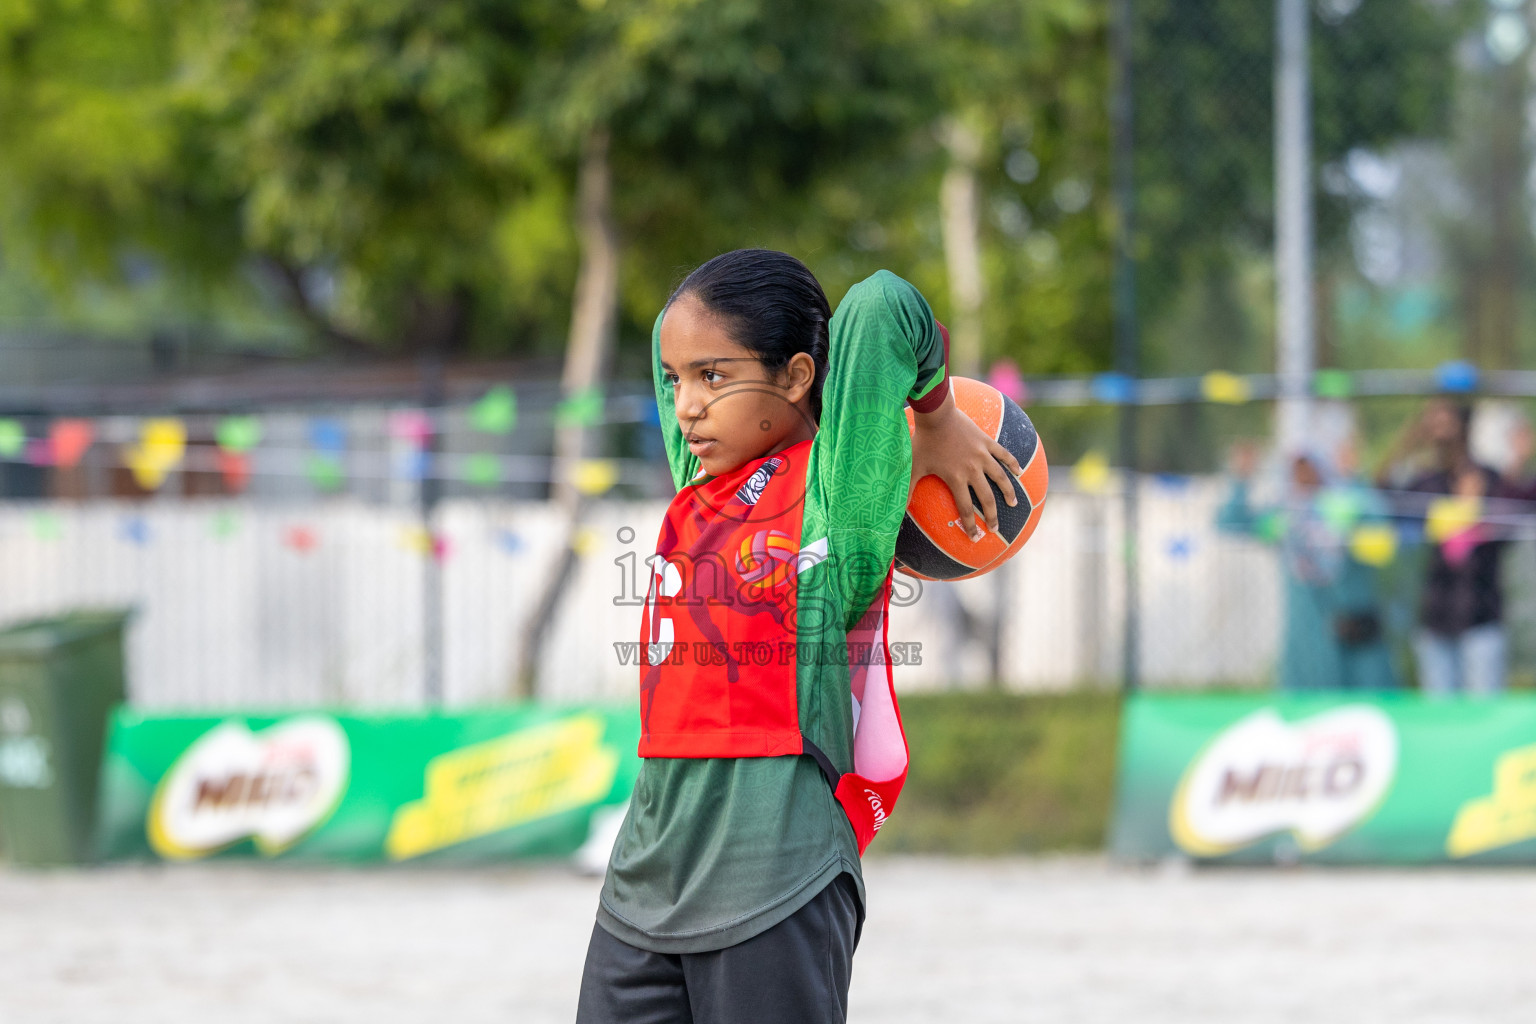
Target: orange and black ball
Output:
[(932, 544)]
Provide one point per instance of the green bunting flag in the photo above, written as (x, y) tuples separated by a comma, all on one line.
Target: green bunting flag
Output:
[(12, 439), (1333, 384), (1340, 508), (582, 409), (496, 413), (1270, 526), (325, 472), (225, 524), (238, 433), (482, 470), (47, 526)]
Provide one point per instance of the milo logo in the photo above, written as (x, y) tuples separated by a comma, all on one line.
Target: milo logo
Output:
[(1316, 778), (273, 786)]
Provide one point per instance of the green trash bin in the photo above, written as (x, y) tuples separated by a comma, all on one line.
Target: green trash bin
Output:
[(59, 680)]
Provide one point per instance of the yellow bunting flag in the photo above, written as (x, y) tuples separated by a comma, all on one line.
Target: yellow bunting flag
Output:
[(147, 473), (1091, 474), (1225, 388), (1374, 545), (417, 540), (1449, 516), (595, 476), (585, 541), (164, 440), (162, 443)]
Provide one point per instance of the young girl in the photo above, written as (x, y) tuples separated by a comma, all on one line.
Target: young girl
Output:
[(733, 893)]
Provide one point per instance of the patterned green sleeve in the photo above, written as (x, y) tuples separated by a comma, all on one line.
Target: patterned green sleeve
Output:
[(683, 463), (886, 350)]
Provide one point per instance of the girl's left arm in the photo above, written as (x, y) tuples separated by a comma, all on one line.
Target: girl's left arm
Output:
[(886, 350)]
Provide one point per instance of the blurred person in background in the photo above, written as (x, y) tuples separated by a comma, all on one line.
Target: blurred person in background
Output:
[(1333, 637), (1461, 644)]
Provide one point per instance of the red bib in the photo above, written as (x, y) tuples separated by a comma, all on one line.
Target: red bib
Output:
[(717, 676), (719, 630)]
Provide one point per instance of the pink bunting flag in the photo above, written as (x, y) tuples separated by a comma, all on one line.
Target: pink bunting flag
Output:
[(69, 440), (39, 452), (301, 539), (412, 425), (1006, 378), (236, 470)]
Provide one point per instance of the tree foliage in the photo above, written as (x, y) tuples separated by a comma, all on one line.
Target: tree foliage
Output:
[(400, 173)]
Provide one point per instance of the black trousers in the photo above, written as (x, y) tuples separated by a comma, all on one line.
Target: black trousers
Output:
[(796, 972)]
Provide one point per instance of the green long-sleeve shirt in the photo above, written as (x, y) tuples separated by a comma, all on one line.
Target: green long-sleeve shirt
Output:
[(715, 850)]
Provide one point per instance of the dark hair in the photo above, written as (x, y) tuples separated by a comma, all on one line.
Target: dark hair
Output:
[(770, 303)]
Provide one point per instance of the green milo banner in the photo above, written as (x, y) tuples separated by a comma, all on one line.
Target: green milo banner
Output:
[(479, 786), (1330, 779)]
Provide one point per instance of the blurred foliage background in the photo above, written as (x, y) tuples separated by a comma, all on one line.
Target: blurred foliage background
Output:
[(388, 176)]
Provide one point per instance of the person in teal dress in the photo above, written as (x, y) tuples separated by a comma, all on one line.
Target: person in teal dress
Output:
[(1333, 637)]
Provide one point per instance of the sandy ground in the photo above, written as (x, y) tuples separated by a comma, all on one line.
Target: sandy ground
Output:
[(1073, 941)]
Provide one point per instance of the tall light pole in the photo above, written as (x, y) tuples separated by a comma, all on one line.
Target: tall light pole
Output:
[(1294, 344), (1122, 124)]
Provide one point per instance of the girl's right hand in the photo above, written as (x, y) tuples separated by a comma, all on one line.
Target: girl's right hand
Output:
[(948, 444)]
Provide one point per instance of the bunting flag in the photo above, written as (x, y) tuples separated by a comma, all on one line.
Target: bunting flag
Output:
[(147, 473), (70, 439), (324, 471), (1005, 376), (1457, 376), (39, 452), (1091, 474), (1340, 508), (582, 409), (1112, 388), (1449, 516), (595, 476), (586, 541), (1270, 526), (421, 541), (301, 539), (162, 443), (164, 440), (238, 434), (47, 526), (224, 524), (327, 436), (414, 465), (496, 412), (412, 426), (1374, 545), (482, 470), (13, 439), (416, 539), (1333, 384), (135, 530), (235, 468), (1224, 388), (1180, 548)]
